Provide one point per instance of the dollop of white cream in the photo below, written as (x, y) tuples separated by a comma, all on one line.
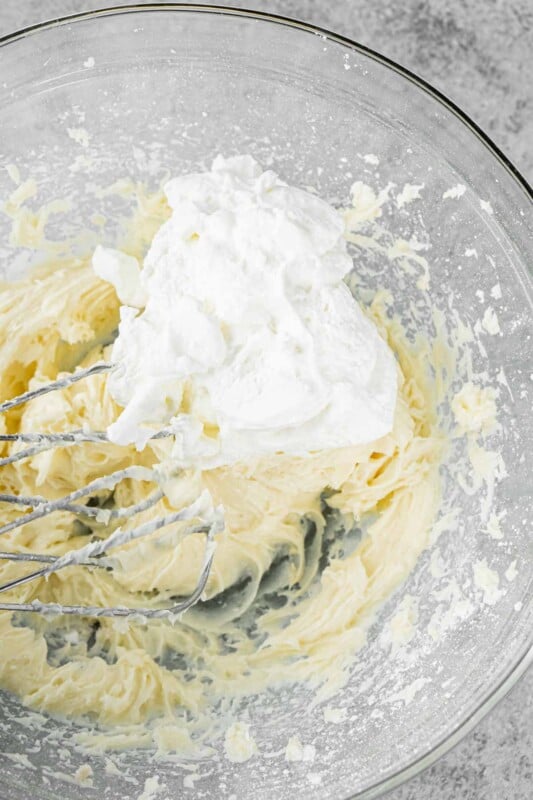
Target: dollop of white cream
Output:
[(248, 342)]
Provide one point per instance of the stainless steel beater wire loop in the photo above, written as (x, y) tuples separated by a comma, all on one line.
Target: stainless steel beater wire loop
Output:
[(88, 555), (100, 546), (106, 482), (120, 611), (49, 441), (44, 441), (86, 511), (60, 383)]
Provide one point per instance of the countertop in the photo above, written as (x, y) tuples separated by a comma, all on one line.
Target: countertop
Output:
[(478, 52)]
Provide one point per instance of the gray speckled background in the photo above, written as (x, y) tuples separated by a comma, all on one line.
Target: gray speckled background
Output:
[(479, 53)]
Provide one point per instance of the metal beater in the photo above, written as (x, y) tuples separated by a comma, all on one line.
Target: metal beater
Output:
[(93, 555)]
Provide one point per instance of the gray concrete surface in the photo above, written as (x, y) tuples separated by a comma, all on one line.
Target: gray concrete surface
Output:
[(479, 53)]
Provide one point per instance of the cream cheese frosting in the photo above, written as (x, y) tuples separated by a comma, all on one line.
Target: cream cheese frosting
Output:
[(166, 687), (239, 333)]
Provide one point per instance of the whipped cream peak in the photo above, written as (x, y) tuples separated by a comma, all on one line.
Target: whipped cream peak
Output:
[(239, 332)]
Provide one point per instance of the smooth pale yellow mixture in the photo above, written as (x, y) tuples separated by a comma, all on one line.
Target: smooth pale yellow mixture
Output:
[(155, 683)]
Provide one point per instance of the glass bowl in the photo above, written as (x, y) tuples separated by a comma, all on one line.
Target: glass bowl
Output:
[(168, 87)]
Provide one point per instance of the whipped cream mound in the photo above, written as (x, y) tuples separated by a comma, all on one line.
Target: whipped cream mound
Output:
[(239, 332)]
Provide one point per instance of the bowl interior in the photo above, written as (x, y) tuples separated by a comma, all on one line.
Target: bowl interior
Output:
[(164, 91)]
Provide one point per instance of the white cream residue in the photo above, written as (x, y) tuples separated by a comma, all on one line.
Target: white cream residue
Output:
[(110, 768), (79, 135), (296, 751), (402, 626), (152, 788), (490, 323), (410, 192), (366, 204), (454, 192), (474, 408), (493, 526), (249, 342), (239, 745), (487, 580), (84, 775), (335, 715), (190, 780), (409, 692), (14, 173), (173, 738), (453, 608), (437, 567)]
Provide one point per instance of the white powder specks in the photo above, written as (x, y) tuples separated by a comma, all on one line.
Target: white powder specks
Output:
[(409, 193), (490, 322), (370, 158), (239, 744), (314, 778), (296, 751), (471, 252), (496, 292), (454, 192), (487, 581), (89, 63)]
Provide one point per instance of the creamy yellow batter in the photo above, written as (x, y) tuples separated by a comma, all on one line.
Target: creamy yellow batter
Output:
[(156, 683)]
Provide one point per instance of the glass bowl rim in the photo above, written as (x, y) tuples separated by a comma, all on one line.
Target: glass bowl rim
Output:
[(494, 693)]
